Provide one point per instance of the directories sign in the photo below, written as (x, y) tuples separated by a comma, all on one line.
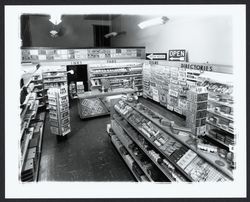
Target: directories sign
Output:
[(177, 55)]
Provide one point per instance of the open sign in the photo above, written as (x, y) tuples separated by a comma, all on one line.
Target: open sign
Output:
[(177, 55)]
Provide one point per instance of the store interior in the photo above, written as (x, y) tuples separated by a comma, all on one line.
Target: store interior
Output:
[(126, 98)]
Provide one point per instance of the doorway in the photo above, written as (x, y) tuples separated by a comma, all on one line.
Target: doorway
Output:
[(99, 39), (80, 74)]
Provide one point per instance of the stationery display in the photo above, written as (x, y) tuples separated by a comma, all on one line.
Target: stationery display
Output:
[(115, 75), (59, 111), (136, 124)]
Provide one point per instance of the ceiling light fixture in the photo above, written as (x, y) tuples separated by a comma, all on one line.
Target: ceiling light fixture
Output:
[(153, 22), (55, 19), (113, 34), (54, 33)]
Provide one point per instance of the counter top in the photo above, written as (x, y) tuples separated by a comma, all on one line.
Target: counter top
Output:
[(98, 94)]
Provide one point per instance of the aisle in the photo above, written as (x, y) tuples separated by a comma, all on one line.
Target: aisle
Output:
[(85, 155)]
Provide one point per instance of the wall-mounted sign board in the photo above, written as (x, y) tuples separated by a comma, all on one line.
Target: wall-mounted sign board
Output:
[(177, 55), (202, 67), (156, 56)]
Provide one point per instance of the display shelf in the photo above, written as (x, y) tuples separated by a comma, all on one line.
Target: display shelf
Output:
[(95, 94), (24, 153), (217, 126), (116, 67), (167, 157), (116, 72), (48, 77), (59, 112), (220, 115), (126, 129), (61, 81), (37, 85), (130, 168), (119, 76), (27, 99), (211, 158), (217, 93), (220, 103), (109, 72), (219, 141), (137, 161), (38, 91)]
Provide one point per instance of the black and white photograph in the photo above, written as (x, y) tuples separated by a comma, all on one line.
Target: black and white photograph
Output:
[(125, 101)]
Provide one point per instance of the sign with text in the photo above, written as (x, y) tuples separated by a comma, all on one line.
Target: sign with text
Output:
[(156, 56), (177, 55)]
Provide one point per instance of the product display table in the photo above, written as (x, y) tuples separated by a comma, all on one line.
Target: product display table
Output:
[(92, 103)]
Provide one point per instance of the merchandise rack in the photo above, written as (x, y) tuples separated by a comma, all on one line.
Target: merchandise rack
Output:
[(220, 115), (207, 156), (132, 124), (26, 145), (127, 129), (210, 158), (219, 141), (220, 103), (48, 79), (217, 126), (110, 72), (118, 134), (59, 107), (115, 143)]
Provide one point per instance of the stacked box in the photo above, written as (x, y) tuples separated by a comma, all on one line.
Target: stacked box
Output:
[(59, 111), (196, 111)]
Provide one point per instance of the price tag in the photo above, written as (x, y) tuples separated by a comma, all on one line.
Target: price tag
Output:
[(174, 81), (183, 83), (178, 110), (170, 107), (231, 148), (173, 93), (111, 61), (76, 62)]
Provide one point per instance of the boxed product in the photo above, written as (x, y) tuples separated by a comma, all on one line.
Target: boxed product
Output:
[(198, 115), (201, 130), (66, 129), (194, 96), (193, 107), (196, 122), (54, 130)]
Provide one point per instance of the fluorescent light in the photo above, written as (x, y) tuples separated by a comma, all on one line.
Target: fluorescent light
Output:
[(55, 19), (152, 22)]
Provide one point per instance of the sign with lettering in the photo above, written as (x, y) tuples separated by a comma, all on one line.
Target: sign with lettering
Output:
[(76, 62), (156, 56), (177, 55), (151, 62), (201, 67), (111, 61)]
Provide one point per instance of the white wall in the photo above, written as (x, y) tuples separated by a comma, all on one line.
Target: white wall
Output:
[(207, 39)]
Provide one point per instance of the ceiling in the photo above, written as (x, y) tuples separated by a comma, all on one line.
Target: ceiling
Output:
[(100, 17)]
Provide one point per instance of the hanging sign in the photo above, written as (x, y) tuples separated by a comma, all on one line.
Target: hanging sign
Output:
[(156, 56), (177, 55)]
